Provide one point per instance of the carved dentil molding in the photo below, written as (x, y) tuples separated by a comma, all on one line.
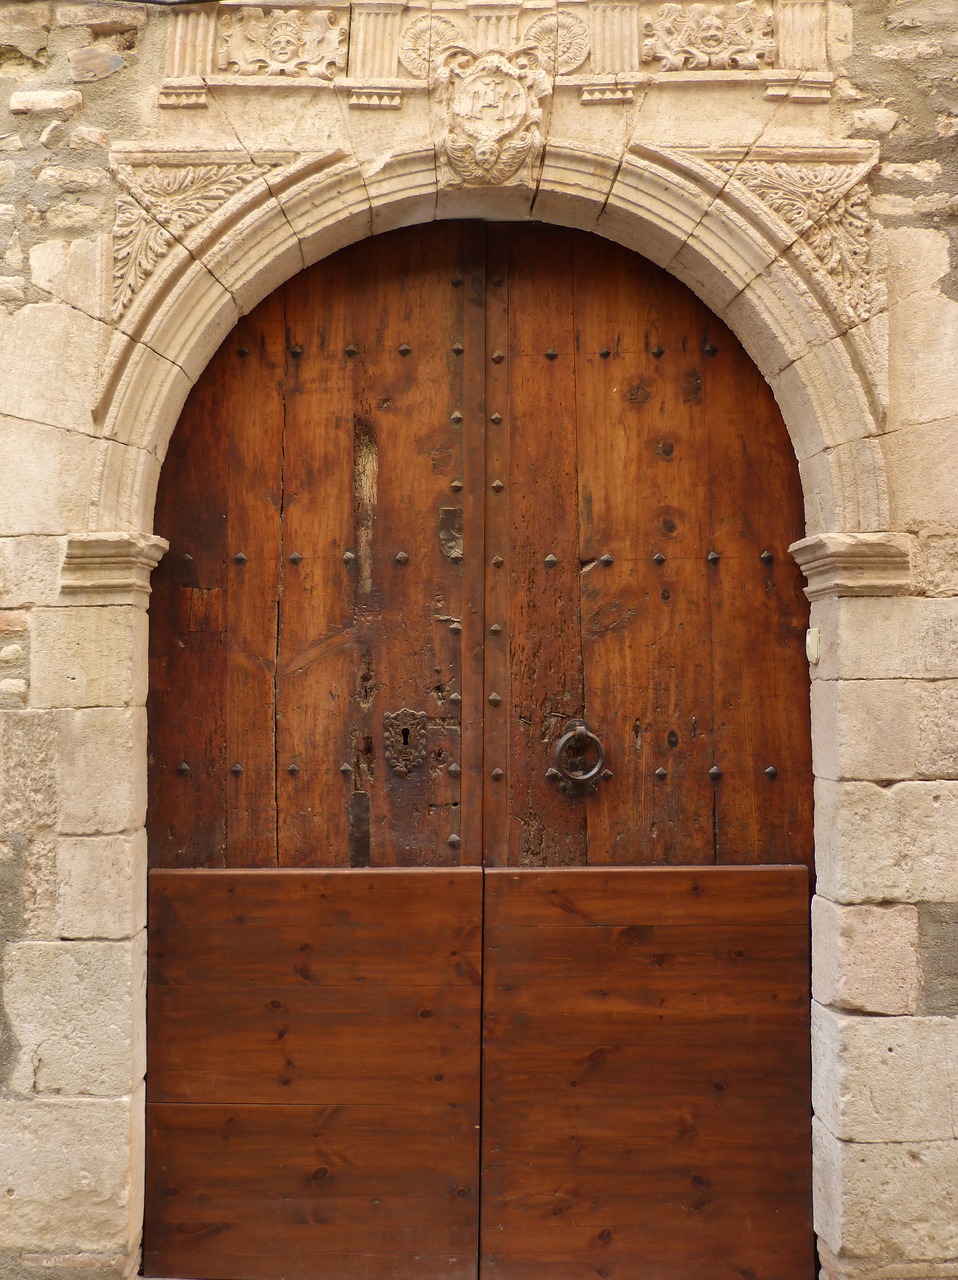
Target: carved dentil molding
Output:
[(156, 207), (855, 564), (489, 97), (110, 568)]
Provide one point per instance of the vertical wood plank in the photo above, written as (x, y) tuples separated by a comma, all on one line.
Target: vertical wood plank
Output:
[(475, 558), (542, 627), (319, 661), (381, 334), (762, 717), (186, 814), (495, 721), (253, 414), (643, 493)]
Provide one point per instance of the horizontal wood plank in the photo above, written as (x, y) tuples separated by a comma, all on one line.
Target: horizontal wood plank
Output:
[(629, 897), (646, 1098)]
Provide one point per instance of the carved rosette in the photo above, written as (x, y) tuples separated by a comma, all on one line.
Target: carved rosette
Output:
[(489, 98), (827, 205), (157, 206), (720, 37)]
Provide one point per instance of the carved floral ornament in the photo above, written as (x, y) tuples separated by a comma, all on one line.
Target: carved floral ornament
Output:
[(702, 36), (489, 133), (156, 207), (827, 205)]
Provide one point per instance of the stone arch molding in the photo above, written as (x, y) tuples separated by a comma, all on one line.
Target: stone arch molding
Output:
[(777, 243)]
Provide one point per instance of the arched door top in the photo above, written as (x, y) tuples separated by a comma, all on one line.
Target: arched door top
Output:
[(684, 213)]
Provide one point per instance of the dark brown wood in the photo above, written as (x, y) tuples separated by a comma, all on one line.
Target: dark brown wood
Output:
[(646, 443), (383, 632), (644, 492), (350, 1003), (545, 689), (645, 1080), (443, 493), (350, 1190)]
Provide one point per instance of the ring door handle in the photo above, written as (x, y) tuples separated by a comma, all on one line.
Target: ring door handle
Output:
[(578, 763)]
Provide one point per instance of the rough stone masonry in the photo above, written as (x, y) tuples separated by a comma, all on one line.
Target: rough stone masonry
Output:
[(164, 166)]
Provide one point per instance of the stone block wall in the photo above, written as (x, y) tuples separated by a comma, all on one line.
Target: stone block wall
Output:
[(163, 167)]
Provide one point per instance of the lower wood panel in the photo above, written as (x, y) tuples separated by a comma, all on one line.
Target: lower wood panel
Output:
[(646, 1091), (298, 1127)]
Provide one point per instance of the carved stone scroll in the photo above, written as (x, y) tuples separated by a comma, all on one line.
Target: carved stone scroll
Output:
[(720, 37), (282, 42)]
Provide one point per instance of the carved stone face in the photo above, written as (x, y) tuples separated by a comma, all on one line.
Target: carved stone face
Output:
[(284, 45), (712, 32)]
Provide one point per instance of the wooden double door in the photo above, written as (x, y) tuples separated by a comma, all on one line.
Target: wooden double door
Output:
[(480, 788)]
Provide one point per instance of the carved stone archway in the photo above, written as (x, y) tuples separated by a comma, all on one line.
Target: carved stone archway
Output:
[(200, 243), (777, 244)]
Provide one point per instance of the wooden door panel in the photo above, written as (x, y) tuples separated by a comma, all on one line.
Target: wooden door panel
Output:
[(313, 1115), (645, 1079), (381, 631), (343, 1180), (471, 476), (643, 473), (542, 625)]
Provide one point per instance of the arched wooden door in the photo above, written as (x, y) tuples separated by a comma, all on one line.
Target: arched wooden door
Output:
[(480, 788)]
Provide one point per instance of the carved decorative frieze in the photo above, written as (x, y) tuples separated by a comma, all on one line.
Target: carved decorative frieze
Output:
[(282, 42), (723, 37), (624, 43), (159, 204), (827, 205), (489, 97), (232, 43)]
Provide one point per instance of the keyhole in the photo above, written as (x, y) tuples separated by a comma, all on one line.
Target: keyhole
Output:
[(405, 737)]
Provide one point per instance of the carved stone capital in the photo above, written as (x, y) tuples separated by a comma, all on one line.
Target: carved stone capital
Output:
[(855, 564), (110, 568)]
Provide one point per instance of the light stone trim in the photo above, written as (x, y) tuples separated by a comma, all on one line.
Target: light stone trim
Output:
[(780, 44), (855, 564), (110, 568), (677, 207)]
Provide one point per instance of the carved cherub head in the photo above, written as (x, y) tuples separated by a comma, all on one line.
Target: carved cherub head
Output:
[(711, 33), (285, 42)]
